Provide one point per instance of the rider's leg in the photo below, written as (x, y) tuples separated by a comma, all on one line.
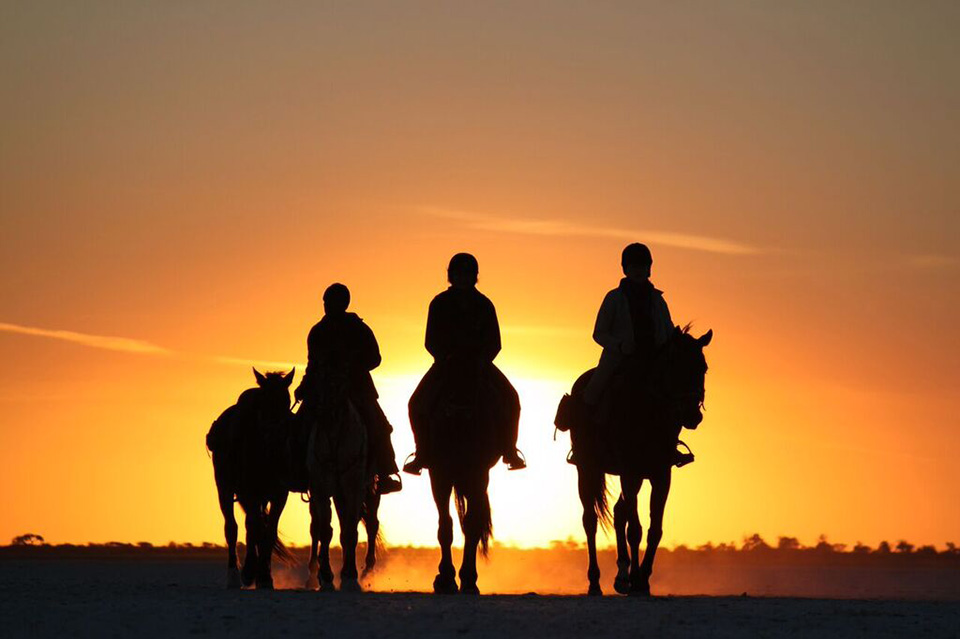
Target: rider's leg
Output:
[(418, 424), (511, 420), (381, 448)]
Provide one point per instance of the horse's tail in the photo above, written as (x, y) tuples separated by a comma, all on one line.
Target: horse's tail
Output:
[(599, 499), (281, 552), (478, 510)]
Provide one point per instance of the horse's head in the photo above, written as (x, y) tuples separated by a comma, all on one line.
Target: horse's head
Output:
[(274, 395), (685, 374)]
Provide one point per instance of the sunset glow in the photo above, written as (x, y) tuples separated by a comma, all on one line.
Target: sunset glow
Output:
[(179, 184)]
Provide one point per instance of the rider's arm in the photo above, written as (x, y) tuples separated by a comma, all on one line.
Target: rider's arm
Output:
[(603, 328), (437, 342), (490, 340), (368, 353), (662, 322)]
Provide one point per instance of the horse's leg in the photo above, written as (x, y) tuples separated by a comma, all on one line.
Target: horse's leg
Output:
[(252, 523), (348, 514), (476, 528), (230, 531), (371, 522), (630, 489), (658, 503), (321, 531), (587, 481), (621, 582), (270, 538), (313, 564), (446, 580)]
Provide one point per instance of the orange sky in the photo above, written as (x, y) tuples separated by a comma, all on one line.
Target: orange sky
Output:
[(190, 177)]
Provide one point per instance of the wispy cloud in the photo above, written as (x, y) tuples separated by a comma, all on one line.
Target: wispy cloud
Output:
[(121, 344), (932, 261), (560, 228), (134, 346)]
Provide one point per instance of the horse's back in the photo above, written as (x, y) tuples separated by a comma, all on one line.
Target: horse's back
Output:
[(467, 428)]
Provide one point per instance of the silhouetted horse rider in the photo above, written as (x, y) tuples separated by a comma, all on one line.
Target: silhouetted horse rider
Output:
[(342, 344), (463, 335), (632, 324)]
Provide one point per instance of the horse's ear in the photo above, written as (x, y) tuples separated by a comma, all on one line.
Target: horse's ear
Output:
[(704, 339), (288, 378), (260, 378)]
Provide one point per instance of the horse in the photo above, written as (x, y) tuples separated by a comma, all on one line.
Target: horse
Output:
[(638, 442), (248, 447), (464, 437), (337, 464)]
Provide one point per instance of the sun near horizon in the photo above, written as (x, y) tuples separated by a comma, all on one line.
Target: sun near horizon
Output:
[(178, 184)]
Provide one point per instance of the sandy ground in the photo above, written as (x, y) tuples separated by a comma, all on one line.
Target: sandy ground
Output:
[(185, 598)]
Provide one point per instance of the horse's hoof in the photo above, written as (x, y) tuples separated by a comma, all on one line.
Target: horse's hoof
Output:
[(247, 580), (326, 585), (233, 579), (312, 583), (622, 584), (640, 589), (469, 589), (444, 585), (350, 584), (264, 583), (595, 590)]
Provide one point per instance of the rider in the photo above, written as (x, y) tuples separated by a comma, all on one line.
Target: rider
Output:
[(463, 336), (342, 342), (633, 322)]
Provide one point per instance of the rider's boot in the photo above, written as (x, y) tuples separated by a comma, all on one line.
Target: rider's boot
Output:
[(416, 465), (513, 458), (387, 484)]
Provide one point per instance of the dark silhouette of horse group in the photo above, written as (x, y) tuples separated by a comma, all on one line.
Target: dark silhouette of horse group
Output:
[(624, 418)]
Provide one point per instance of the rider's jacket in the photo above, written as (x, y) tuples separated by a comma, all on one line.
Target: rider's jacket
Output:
[(636, 314), (462, 325), (343, 343)]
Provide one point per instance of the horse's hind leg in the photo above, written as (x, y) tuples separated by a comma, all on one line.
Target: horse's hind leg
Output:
[(321, 532), (588, 480), (230, 531), (371, 522), (621, 582), (658, 503), (446, 580), (476, 530)]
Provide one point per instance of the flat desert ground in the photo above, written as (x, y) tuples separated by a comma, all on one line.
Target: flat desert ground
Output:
[(176, 597)]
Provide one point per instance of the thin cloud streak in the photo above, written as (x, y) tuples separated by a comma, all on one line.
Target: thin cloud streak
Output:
[(134, 346), (560, 228), (120, 344)]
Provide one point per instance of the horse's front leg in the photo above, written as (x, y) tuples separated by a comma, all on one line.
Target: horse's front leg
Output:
[(660, 490), (630, 489), (270, 538), (321, 532), (621, 516), (371, 522), (589, 483), (348, 514), (230, 531), (446, 580), (253, 523)]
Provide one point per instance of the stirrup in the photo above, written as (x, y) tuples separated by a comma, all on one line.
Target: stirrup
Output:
[(413, 465), (682, 459), (398, 484), (519, 457)]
